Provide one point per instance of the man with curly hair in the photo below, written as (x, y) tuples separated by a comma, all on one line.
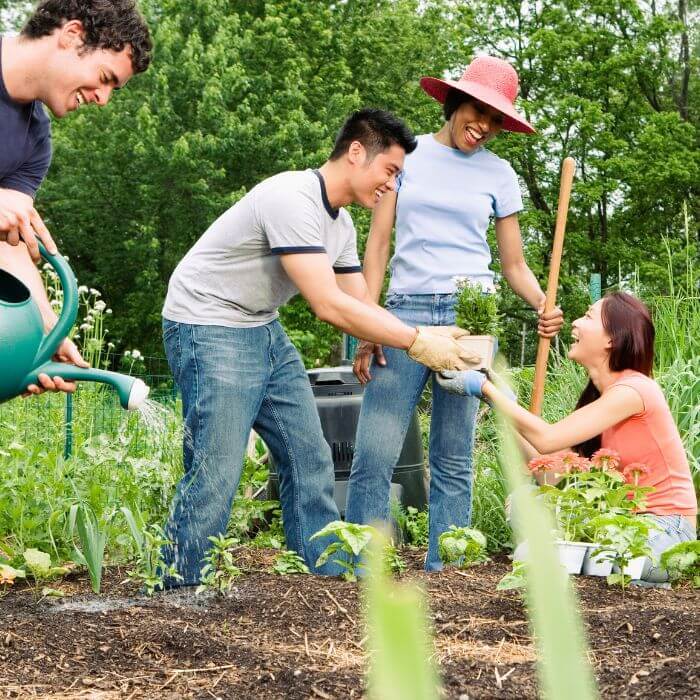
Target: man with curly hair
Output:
[(70, 53)]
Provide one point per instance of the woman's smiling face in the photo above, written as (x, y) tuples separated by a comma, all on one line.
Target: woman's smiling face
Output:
[(591, 340), (473, 124)]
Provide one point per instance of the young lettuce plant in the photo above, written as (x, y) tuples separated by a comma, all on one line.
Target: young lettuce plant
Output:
[(682, 561), (462, 546)]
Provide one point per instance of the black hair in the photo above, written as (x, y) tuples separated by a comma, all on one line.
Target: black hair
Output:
[(108, 24), (453, 101), (377, 130)]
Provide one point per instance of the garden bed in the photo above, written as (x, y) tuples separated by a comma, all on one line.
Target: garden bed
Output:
[(302, 637)]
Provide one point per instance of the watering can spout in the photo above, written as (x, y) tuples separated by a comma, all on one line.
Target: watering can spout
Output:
[(132, 392)]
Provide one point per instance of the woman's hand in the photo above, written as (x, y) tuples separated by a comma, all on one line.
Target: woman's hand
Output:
[(363, 358), (468, 382)]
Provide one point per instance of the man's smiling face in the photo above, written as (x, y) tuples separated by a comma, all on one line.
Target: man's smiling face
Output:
[(81, 75), (376, 176)]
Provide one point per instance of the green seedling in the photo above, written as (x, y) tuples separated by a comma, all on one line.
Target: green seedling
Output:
[(462, 546), (393, 563), (400, 647), (288, 563), (352, 540), (515, 579), (476, 309), (92, 541), (682, 561), (38, 564), (220, 572), (150, 540), (621, 538)]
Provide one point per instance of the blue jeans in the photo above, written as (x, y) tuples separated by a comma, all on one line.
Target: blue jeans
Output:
[(232, 380), (387, 406), (672, 530)]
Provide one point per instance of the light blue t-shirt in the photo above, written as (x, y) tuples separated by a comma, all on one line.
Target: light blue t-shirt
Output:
[(445, 201)]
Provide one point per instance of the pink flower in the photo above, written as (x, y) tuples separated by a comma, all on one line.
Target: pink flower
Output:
[(545, 463), (634, 470), (573, 463), (605, 459)]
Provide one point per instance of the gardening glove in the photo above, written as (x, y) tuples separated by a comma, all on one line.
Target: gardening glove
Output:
[(466, 383), (437, 347)]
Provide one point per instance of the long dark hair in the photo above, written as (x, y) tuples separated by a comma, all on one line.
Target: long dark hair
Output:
[(628, 323)]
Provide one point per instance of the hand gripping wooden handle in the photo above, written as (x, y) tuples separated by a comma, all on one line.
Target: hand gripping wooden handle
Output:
[(568, 168)]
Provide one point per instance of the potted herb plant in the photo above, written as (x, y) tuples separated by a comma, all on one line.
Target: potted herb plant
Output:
[(476, 311)]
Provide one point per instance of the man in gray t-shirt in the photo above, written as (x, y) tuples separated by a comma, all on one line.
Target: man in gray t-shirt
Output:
[(233, 362)]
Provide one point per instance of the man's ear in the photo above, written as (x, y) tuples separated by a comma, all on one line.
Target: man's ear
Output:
[(71, 35), (357, 153)]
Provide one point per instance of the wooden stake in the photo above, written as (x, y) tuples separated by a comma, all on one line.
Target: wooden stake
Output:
[(567, 177)]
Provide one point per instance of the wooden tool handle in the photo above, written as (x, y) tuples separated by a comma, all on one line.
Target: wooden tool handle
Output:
[(568, 168)]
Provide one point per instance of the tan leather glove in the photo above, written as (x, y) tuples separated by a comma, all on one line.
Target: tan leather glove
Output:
[(438, 347)]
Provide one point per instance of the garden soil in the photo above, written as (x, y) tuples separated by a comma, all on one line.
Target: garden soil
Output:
[(301, 637)]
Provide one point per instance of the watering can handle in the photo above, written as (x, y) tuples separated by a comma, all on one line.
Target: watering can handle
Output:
[(69, 310)]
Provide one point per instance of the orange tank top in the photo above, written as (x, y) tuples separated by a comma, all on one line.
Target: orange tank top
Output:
[(651, 437)]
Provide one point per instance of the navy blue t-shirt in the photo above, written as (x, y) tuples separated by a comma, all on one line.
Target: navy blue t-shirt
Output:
[(25, 142)]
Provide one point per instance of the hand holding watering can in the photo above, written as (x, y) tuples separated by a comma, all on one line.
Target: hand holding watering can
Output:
[(25, 352)]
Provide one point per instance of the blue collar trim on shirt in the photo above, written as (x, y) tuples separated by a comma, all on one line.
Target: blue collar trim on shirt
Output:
[(333, 213)]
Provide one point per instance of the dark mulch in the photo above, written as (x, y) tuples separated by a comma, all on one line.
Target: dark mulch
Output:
[(302, 637)]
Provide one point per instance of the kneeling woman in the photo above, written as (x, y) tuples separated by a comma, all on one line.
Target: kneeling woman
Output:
[(622, 408)]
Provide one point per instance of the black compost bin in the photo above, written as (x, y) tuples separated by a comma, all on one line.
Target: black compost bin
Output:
[(338, 396)]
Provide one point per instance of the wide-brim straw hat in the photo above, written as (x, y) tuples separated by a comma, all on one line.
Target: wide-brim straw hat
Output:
[(490, 80)]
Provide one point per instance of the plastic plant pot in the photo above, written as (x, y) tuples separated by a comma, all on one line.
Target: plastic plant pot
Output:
[(482, 345), (596, 565), (634, 568), (571, 555)]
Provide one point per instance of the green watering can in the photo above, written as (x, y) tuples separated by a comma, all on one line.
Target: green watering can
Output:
[(25, 352)]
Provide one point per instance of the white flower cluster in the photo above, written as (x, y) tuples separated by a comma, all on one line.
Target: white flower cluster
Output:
[(133, 354)]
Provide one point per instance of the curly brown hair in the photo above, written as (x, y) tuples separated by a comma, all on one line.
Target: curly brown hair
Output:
[(108, 24)]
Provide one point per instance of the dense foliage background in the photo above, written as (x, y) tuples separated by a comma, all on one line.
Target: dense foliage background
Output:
[(242, 89)]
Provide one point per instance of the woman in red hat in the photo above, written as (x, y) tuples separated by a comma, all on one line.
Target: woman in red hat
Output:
[(450, 189)]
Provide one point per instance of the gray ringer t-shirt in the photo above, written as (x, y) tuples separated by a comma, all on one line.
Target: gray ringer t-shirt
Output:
[(233, 275)]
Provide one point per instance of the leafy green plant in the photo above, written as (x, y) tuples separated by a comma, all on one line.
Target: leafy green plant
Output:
[(38, 564), (352, 540), (150, 568), (220, 572), (515, 579), (476, 308), (93, 538), (288, 563), (412, 522), (682, 561), (620, 539), (462, 546), (400, 647), (393, 563), (563, 667)]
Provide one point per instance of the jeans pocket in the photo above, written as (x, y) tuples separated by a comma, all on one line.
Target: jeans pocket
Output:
[(171, 343)]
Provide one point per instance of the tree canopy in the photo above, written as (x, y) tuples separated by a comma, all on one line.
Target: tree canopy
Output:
[(241, 90)]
